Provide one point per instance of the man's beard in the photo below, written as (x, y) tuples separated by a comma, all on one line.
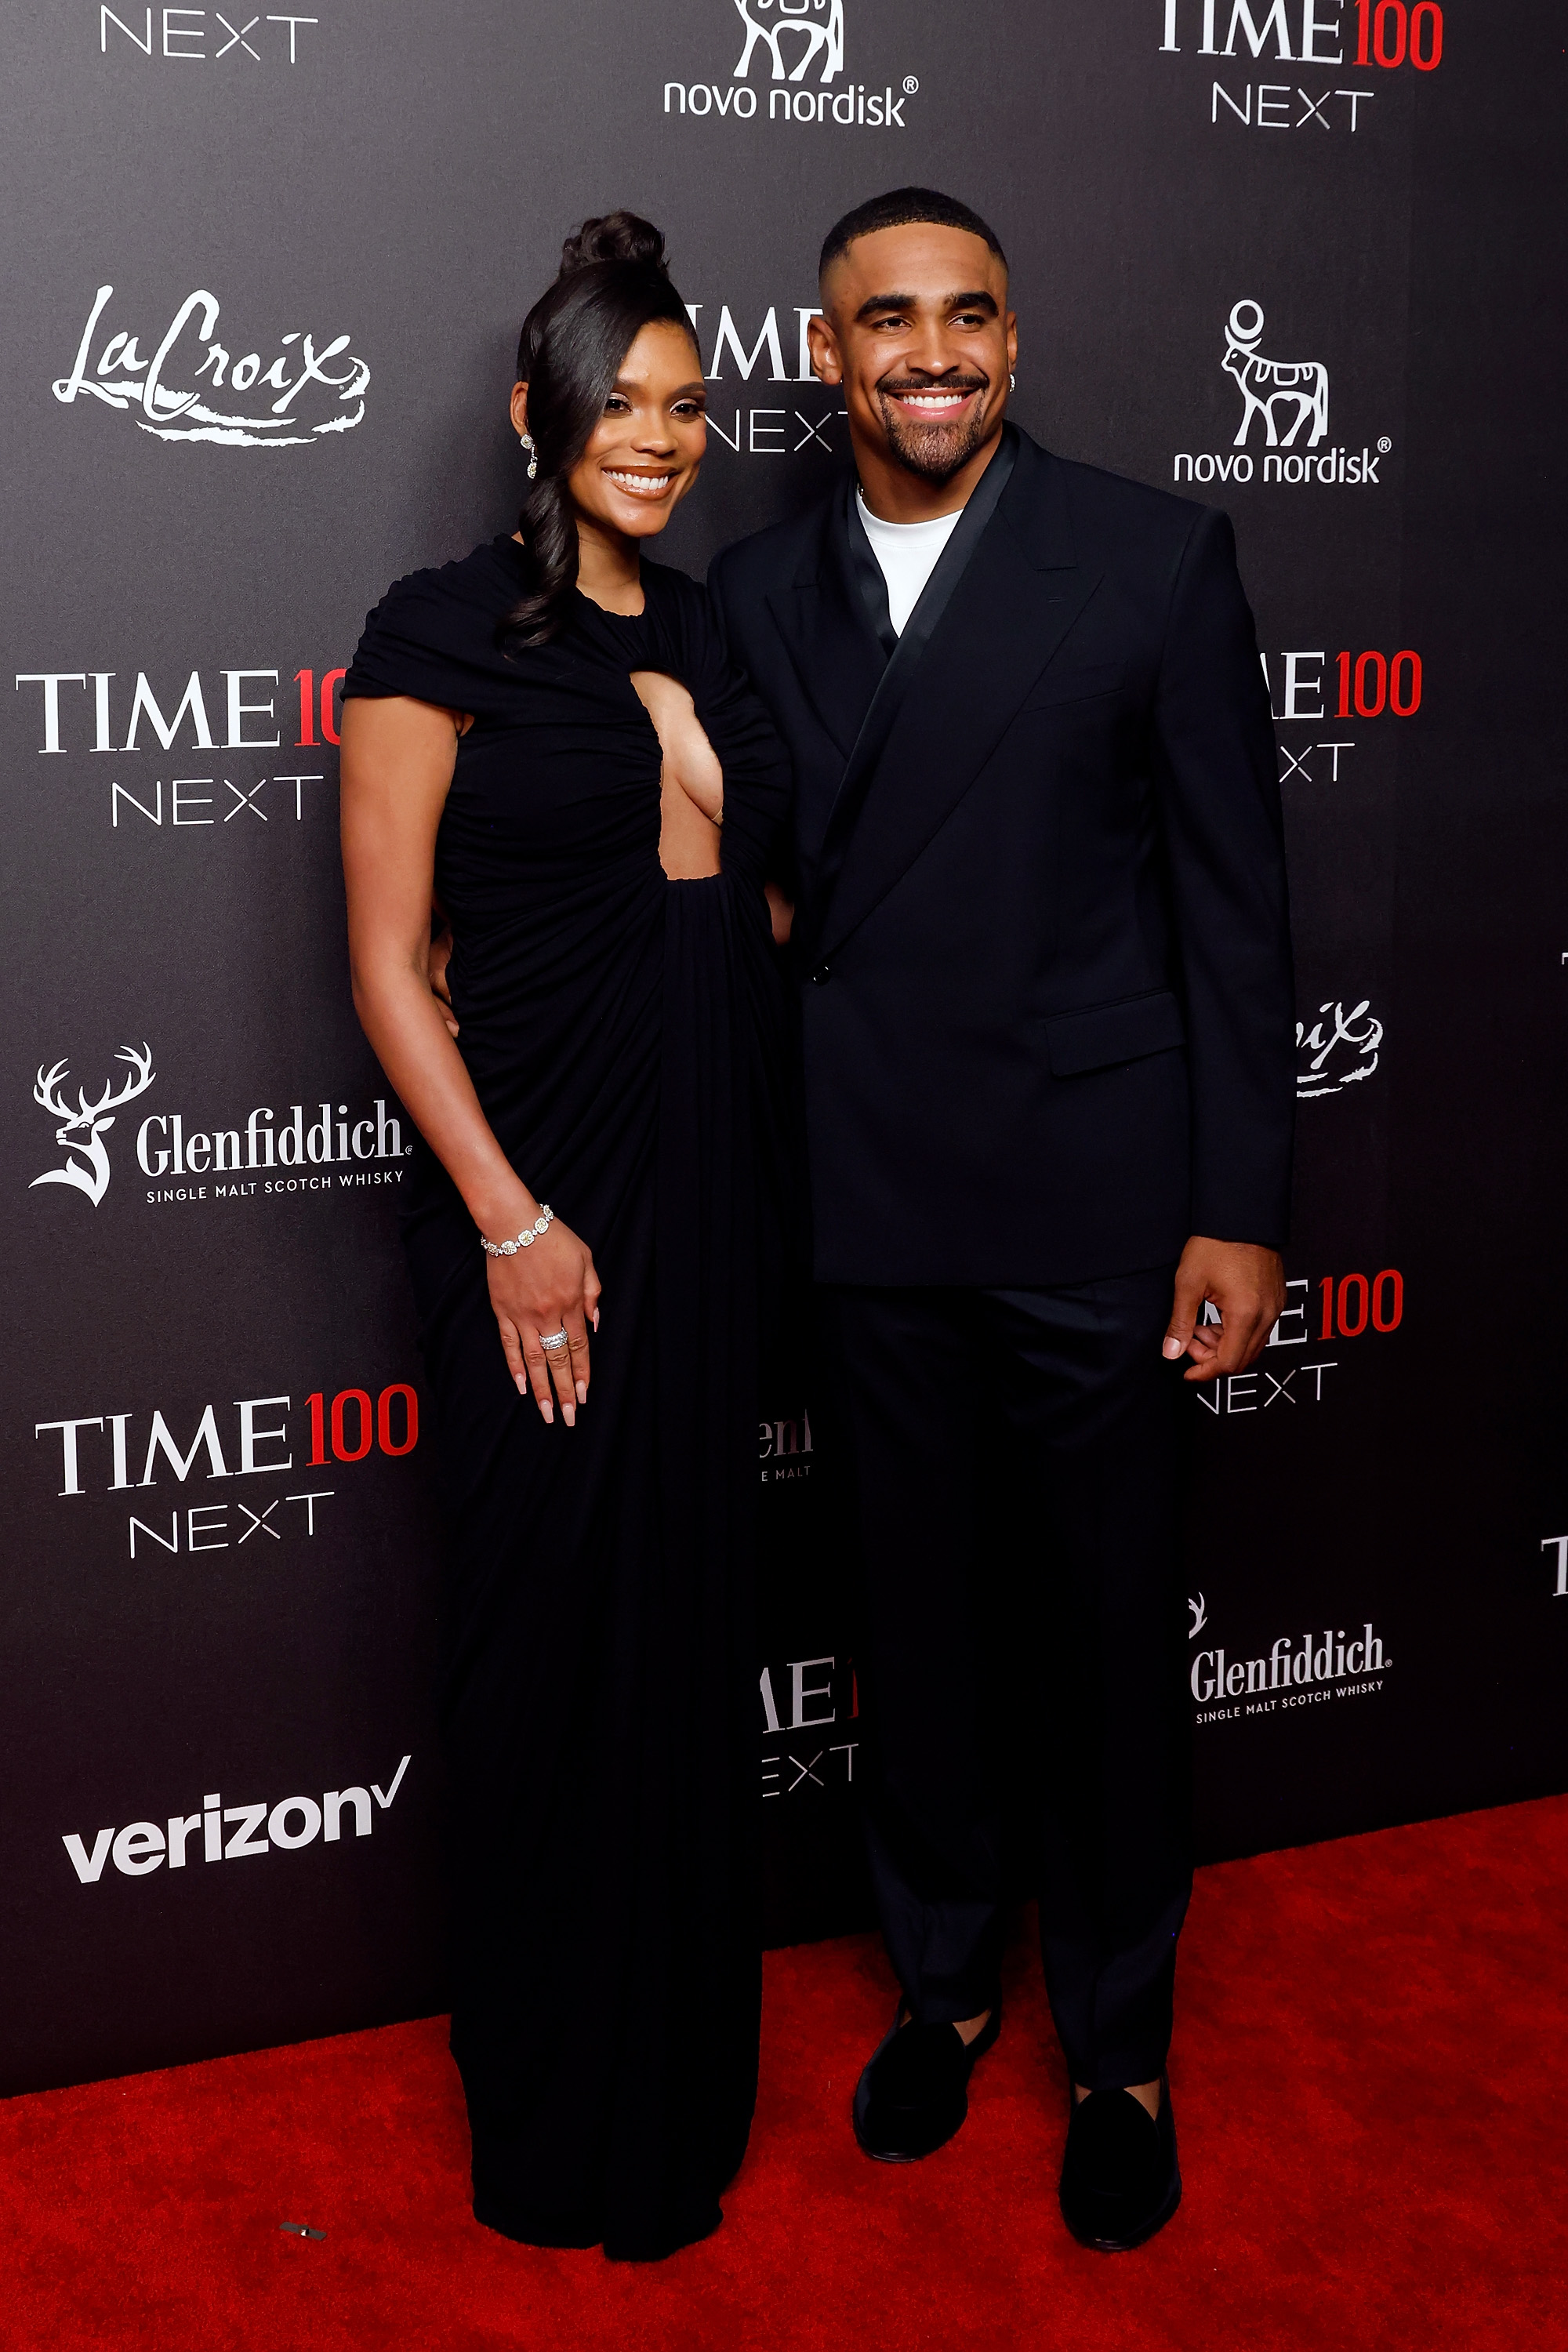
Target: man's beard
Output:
[(935, 451)]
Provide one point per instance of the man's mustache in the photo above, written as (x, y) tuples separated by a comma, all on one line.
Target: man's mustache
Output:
[(895, 385)]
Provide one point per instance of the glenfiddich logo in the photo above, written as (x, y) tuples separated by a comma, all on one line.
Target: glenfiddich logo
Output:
[(323, 1147), (1299, 1670), (83, 1130)]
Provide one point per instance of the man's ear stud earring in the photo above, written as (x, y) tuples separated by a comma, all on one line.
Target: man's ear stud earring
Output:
[(527, 441)]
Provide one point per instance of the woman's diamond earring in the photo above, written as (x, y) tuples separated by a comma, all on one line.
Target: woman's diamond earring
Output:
[(527, 441)]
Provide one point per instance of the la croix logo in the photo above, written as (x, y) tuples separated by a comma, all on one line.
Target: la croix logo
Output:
[(1328, 1070), (182, 409)]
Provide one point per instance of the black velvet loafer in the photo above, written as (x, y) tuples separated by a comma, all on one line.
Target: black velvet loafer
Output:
[(1120, 2181), (914, 2092)]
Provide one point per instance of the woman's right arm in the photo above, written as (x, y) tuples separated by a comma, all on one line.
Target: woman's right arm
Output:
[(397, 759)]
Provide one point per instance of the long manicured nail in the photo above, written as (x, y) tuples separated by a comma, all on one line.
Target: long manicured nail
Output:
[(582, 1392), (521, 1380), (569, 1415), (595, 1318), (548, 1411)]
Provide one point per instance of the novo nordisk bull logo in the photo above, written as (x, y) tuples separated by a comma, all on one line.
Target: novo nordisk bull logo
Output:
[(1290, 398), (797, 46), (1289, 385), (83, 1129), (805, 30)]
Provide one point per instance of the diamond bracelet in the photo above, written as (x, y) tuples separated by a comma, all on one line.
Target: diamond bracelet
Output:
[(525, 1240)]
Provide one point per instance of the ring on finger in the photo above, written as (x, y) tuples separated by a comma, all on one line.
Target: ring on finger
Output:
[(557, 1340)]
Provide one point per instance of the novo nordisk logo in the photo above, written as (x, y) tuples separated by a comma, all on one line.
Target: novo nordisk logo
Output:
[(1266, 384), (178, 388), (789, 40), (818, 24), (1290, 399)]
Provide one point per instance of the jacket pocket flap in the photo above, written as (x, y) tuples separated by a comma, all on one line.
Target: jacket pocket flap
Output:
[(1122, 1031), (1073, 685)]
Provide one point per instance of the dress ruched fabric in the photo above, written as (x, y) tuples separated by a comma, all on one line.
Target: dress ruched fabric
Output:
[(623, 1032)]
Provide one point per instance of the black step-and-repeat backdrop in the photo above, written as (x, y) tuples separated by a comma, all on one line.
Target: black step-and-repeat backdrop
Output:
[(265, 274)]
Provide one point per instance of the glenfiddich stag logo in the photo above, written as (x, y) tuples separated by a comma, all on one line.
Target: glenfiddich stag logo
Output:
[(199, 368), (83, 1129), (820, 23), (1267, 384)]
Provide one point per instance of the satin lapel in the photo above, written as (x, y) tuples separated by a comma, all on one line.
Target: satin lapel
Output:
[(1021, 593), (907, 651), (835, 655)]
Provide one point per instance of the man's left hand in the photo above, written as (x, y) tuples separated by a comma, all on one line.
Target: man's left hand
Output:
[(1245, 1284)]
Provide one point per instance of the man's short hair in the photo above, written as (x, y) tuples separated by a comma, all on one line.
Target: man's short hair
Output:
[(901, 208)]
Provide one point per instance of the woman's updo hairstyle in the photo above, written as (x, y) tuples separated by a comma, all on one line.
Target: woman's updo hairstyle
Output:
[(611, 283)]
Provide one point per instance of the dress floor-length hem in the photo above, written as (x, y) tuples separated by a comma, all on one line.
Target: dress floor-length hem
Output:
[(621, 1032), (558, 2233)]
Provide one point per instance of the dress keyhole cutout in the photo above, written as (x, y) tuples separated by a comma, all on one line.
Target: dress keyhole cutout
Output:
[(691, 781)]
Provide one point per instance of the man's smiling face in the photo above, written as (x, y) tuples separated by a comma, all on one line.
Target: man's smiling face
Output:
[(919, 334)]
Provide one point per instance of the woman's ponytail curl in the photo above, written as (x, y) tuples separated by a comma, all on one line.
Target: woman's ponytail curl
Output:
[(550, 556), (611, 283)]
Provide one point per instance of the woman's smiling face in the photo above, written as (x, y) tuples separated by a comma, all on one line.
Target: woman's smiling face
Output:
[(643, 454)]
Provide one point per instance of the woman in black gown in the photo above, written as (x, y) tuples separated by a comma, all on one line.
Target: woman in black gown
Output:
[(547, 737)]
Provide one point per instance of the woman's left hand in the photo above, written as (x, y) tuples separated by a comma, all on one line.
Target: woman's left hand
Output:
[(441, 956), (780, 912), (551, 1288)]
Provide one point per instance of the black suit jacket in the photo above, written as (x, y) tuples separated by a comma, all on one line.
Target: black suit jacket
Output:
[(1047, 1007)]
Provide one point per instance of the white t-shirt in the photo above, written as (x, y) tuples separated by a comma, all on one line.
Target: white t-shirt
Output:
[(908, 553)]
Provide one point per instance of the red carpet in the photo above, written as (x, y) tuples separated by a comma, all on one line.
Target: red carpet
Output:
[(1371, 2086)]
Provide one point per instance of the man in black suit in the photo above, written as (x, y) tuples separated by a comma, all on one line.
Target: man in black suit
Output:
[(1048, 1030)]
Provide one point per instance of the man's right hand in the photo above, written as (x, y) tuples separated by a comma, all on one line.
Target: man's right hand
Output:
[(1245, 1282)]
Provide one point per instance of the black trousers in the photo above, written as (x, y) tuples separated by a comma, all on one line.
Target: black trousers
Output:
[(1012, 1460)]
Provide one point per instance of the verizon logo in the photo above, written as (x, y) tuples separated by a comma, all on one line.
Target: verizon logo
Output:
[(223, 1832)]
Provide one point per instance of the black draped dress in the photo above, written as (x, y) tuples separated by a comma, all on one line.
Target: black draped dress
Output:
[(599, 1686)]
